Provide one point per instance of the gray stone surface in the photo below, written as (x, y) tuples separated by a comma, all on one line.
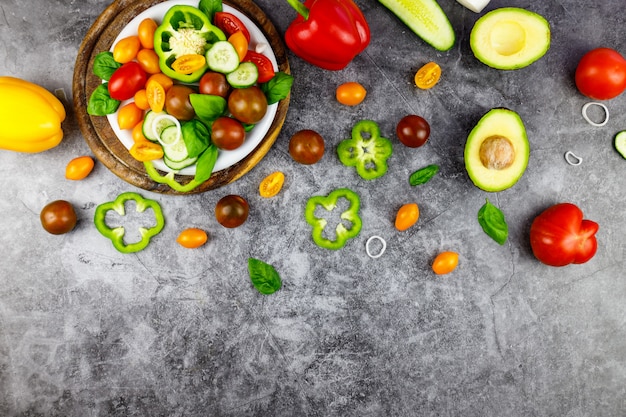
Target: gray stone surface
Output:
[(86, 331)]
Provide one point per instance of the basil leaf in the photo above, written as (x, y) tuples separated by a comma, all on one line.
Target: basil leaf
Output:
[(101, 103), (277, 88), (422, 176), (491, 219), (208, 107), (210, 7), (196, 137), (263, 276), (104, 65), (205, 164)]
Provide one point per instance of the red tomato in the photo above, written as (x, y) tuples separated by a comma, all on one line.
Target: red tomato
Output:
[(413, 131), (559, 236), (306, 147), (227, 133), (126, 81), (229, 24), (601, 74), (231, 211), (58, 217), (214, 83), (248, 105), (263, 64)]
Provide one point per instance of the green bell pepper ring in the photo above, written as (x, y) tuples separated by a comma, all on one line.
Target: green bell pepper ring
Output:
[(116, 234), (185, 30), (329, 203), (367, 154)]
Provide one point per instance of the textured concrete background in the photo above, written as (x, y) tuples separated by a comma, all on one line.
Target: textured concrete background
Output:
[(86, 331)]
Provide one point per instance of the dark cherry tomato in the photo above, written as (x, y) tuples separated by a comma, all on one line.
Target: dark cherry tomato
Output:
[(263, 64), (126, 81), (227, 133), (58, 217), (413, 131), (177, 102), (248, 105), (601, 74), (306, 147), (231, 211), (229, 24), (215, 84)]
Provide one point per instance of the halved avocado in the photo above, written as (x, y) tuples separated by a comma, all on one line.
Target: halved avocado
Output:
[(510, 38), (497, 150)]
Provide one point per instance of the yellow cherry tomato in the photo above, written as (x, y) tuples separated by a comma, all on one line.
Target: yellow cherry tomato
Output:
[(165, 81), (272, 184), (186, 64), (145, 32), (137, 133), (155, 93), (192, 238), (125, 50), (146, 151), (148, 61), (129, 115), (427, 76), (350, 94), (141, 99), (445, 263), (78, 168), (407, 216), (240, 42)]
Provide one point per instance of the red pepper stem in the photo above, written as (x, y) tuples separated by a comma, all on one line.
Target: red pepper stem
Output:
[(300, 8)]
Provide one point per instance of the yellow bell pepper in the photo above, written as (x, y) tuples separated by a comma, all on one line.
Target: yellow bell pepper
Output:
[(30, 116)]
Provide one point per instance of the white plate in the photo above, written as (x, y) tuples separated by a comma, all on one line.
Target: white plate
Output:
[(258, 41)]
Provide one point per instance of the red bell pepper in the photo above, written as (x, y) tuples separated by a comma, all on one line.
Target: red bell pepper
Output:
[(327, 33)]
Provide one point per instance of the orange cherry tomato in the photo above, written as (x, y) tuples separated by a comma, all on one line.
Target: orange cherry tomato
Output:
[(239, 41), (407, 216), (141, 99), (148, 61), (155, 94), (129, 115), (145, 32), (162, 79), (350, 94), (192, 238), (427, 76), (125, 50), (78, 168), (445, 263), (186, 64), (137, 133), (146, 151), (272, 184)]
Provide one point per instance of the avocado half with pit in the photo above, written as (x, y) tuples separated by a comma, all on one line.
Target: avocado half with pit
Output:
[(510, 38), (497, 150)]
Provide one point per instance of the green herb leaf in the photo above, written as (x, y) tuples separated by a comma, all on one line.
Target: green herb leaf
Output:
[(278, 87), (263, 276), (491, 219), (101, 103), (104, 65), (422, 176), (204, 165), (208, 107), (196, 137), (210, 7)]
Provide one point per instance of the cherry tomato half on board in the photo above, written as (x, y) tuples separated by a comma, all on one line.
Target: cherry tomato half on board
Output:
[(263, 64), (229, 24)]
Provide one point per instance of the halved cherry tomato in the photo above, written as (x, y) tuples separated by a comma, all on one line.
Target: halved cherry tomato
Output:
[(407, 216), (155, 94), (141, 99), (125, 50), (128, 116), (186, 64), (445, 262), (350, 94), (146, 151), (149, 61), (272, 184), (145, 31), (137, 133), (239, 41), (229, 24), (427, 76), (263, 64), (78, 168), (162, 79), (192, 238)]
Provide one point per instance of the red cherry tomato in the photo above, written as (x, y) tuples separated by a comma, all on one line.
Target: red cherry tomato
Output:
[(231, 211), (227, 133), (559, 236), (601, 74), (214, 83), (58, 217), (126, 81), (306, 147), (263, 64), (413, 131), (248, 105), (229, 24)]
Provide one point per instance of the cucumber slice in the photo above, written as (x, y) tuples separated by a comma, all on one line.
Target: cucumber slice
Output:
[(178, 165), (620, 143), (222, 57), (170, 136), (245, 75), (148, 125), (426, 19), (173, 143)]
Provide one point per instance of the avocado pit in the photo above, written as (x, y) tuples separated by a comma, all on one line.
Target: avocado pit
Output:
[(497, 152)]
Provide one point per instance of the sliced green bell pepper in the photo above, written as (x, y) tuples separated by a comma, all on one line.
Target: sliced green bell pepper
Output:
[(169, 179), (185, 30), (367, 154), (329, 203), (116, 234)]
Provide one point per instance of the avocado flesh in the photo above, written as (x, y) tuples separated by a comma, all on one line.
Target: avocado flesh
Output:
[(497, 150), (510, 38)]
